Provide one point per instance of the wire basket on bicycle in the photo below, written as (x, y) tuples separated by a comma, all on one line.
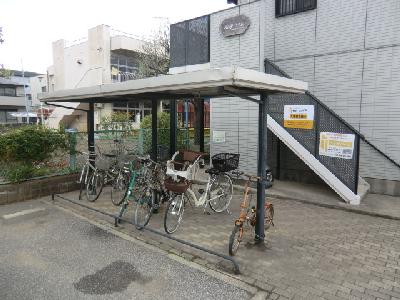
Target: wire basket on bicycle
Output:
[(225, 162)]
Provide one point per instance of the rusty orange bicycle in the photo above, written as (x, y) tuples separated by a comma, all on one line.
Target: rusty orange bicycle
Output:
[(248, 215)]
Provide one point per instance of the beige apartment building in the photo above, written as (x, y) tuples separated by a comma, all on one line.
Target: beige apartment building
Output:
[(104, 56)]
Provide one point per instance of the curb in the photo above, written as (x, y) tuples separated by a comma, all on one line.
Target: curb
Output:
[(325, 205)]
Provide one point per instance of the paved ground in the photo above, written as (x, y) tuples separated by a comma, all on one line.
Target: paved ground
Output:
[(313, 252), (61, 256)]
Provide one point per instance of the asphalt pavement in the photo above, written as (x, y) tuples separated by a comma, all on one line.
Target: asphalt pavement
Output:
[(61, 256)]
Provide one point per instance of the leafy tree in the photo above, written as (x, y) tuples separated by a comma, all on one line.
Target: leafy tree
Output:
[(154, 59), (5, 73), (117, 121)]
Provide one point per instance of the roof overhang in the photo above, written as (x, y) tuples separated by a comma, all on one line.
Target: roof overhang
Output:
[(212, 83)]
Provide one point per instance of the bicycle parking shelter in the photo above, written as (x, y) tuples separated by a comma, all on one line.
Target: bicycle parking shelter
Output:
[(197, 85)]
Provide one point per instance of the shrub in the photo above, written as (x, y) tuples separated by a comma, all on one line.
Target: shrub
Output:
[(23, 148), (163, 122)]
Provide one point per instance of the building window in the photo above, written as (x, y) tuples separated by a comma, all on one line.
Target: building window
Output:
[(289, 7), (6, 117), (8, 91), (136, 110), (124, 67), (44, 89)]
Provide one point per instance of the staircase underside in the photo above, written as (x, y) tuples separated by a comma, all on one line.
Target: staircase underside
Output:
[(324, 173)]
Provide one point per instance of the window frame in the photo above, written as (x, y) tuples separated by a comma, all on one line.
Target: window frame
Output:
[(297, 10)]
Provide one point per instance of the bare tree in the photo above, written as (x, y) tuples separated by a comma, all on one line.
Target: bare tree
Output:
[(154, 60), (1, 35)]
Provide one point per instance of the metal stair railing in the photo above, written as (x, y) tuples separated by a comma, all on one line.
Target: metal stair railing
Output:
[(326, 120)]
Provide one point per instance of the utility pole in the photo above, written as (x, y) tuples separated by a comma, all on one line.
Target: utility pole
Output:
[(26, 101)]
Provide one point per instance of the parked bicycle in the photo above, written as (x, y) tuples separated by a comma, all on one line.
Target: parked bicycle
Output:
[(99, 169), (141, 190), (248, 215), (154, 181), (217, 193)]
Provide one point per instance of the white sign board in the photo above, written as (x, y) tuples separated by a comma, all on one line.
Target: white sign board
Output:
[(299, 116), (218, 136), (336, 145)]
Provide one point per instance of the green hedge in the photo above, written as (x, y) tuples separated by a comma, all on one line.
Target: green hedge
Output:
[(25, 150)]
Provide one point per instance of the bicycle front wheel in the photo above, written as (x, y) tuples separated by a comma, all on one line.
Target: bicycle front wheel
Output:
[(119, 188), (221, 191), (94, 186), (144, 209), (174, 213), (235, 239)]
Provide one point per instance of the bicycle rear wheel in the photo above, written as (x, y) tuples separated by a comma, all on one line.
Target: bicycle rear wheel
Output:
[(221, 192), (235, 239), (144, 209), (82, 180), (94, 186), (174, 213), (119, 188)]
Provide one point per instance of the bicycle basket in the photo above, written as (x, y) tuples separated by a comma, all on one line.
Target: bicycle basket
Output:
[(225, 162), (178, 187), (103, 162)]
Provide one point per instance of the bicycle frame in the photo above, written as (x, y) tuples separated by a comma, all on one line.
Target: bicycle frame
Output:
[(244, 205), (205, 197)]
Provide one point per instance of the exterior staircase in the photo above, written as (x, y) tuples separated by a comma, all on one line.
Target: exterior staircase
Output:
[(339, 173)]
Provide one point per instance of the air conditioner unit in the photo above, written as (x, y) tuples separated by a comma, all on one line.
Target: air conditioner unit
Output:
[(99, 105)]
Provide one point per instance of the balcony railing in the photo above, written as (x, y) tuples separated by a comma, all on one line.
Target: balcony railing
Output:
[(190, 42)]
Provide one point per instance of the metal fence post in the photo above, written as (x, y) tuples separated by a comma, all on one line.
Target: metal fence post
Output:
[(201, 125), (154, 130), (172, 127), (72, 150), (262, 166), (90, 129)]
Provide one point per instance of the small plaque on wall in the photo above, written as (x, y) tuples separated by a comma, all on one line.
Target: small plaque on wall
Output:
[(235, 26), (218, 136)]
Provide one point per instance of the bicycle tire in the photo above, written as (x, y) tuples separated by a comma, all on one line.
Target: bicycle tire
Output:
[(119, 188), (176, 202), (228, 190), (82, 181), (94, 186), (268, 216), (146, 204), (235, 239)]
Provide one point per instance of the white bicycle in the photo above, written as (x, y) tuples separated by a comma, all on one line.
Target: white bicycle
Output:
[(217, 193)]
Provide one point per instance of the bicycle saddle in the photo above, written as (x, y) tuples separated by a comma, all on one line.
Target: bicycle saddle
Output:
[(213, 171)]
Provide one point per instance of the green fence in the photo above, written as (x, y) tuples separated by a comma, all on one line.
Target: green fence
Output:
[(137, 141)]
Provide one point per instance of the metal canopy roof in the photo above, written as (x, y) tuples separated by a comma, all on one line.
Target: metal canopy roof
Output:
[(221, 82)]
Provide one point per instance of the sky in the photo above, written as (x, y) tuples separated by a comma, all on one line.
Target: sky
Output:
[(30, 26)]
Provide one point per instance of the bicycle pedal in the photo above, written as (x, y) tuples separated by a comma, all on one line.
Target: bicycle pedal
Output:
[(201, 191)]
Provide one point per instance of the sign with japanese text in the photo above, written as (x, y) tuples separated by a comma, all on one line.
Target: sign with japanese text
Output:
[(299, 116), (336, 145)]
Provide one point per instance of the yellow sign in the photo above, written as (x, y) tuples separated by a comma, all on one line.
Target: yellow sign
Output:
[(336, 145), (299, 116)]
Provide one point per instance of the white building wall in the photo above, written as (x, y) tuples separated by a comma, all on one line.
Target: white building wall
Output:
[(347, 50), (237, 117)]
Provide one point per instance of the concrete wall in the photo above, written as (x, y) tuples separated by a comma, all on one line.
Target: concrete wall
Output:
[(347, 50), (37, 188), (237, 117)]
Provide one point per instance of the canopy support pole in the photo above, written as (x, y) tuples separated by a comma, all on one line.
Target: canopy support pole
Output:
[(262, 164), (172, 127), (90, 130), (154, 130), (201, 125)]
